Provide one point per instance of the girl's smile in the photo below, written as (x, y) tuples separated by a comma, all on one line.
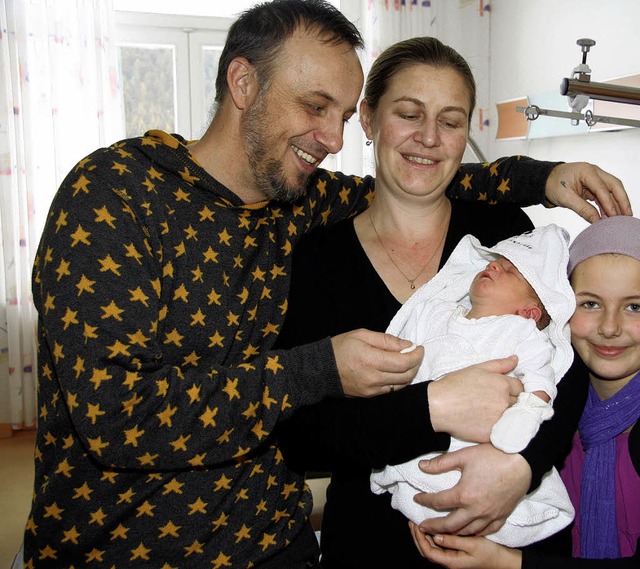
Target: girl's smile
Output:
[(605, 328)]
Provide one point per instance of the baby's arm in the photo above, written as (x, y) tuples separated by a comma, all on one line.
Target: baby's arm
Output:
[(519, 424), (542, 395)]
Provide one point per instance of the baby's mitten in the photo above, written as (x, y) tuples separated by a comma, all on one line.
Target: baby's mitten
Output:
[(519, 424)]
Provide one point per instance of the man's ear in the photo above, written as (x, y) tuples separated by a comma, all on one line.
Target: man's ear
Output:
[(532, 312), (242, 82)]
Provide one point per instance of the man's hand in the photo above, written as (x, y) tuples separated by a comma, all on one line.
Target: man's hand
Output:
[(456, 552), (570, 185), (468, 402), (491, 485), (370, 363)]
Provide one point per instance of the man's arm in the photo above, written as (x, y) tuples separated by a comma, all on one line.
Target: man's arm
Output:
[(525, 181), (513, 179), (517, 180)]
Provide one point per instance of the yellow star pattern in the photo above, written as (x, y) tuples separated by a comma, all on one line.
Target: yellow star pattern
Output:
[(140, 552), (71, 535), (81, 184), (160, 296), (103, 216)]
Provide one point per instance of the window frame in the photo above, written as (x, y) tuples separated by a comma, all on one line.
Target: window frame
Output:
[(187, 34), (200, 108)]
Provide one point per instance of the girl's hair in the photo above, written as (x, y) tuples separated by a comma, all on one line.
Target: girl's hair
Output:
[(260, 32), (415, 51)]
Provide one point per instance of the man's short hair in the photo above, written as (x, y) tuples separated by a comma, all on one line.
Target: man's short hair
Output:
[(260, 32)]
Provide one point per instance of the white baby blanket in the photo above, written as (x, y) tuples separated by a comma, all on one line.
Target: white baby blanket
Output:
[(541, 256)]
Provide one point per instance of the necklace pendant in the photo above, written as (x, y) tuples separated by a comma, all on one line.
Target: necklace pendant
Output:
[(412, 282)]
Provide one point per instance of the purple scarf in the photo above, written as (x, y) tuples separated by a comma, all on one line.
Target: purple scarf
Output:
[(600, 423)]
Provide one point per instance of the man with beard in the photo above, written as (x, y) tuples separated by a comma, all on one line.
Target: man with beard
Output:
[(161, 283)]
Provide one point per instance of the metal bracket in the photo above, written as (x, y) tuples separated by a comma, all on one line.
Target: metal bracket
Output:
[(532, 112), (579, 89)]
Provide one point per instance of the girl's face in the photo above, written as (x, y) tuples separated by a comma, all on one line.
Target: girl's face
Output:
[(419, 130), (605, 328)]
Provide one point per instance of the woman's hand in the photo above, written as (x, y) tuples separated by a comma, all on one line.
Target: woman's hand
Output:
[(491, 485), (468, 402), (456, 552), (571, 184)]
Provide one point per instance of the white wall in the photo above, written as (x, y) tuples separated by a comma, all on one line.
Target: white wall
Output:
[(533, 47)]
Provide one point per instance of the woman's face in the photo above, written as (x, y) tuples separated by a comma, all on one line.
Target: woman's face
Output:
[(419, 130), (605, 328)]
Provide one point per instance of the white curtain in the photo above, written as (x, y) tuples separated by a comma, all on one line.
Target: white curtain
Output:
[(390, 21), (59, 100)]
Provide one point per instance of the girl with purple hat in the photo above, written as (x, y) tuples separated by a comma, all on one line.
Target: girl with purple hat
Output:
[(602, 470)]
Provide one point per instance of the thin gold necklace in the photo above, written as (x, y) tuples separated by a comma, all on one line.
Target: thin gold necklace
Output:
[(412, 281)]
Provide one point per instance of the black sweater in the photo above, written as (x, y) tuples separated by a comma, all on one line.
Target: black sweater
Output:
[(335, 289)]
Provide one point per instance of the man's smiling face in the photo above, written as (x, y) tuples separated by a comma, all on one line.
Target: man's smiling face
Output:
[(299, 118)]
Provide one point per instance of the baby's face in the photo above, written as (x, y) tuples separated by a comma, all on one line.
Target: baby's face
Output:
[(500, 289)]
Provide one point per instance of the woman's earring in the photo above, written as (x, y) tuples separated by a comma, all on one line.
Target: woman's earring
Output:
[(369, 142)]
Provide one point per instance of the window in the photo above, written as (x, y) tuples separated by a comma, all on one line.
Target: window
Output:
[(149, 87), (168, 66)]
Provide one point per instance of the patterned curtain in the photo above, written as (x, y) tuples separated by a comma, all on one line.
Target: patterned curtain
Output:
[(59, 100), (389, 21)]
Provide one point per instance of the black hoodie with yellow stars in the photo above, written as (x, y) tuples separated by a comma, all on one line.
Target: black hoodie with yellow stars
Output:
[(160, 295)]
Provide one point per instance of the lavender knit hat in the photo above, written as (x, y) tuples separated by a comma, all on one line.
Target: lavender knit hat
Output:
[(619, 234)]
